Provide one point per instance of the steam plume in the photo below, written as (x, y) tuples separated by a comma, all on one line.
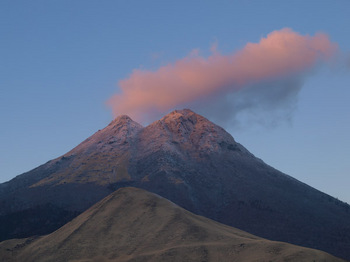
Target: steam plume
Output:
[(265, 74)]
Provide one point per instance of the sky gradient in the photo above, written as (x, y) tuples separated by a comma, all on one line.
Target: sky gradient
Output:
[(63, 62)]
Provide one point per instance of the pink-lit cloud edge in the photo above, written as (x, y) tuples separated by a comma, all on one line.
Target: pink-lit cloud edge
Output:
[(283, 57)]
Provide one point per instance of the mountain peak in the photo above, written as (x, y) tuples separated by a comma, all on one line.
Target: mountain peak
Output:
[(186, 129), (116, 134), (184, 112), (122, 120), (181, 115)]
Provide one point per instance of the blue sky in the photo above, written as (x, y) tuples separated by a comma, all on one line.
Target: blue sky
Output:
[(60, 61)]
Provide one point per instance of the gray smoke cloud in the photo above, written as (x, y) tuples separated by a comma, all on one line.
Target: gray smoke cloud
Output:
[(263, 77)]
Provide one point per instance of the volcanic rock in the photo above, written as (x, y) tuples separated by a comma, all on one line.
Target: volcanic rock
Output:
[(192, 162)]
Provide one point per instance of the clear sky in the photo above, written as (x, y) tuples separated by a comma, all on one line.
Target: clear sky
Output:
[(61, 61)]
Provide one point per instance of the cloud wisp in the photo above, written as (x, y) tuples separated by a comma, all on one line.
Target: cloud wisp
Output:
[(264, 74)]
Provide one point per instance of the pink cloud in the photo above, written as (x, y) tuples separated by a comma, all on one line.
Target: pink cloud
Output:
[(282, 54)]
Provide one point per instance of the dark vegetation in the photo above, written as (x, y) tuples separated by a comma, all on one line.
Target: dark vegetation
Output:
[(39, 220)]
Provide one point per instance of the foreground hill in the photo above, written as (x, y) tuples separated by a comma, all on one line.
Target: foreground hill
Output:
[(192, 162), (135, 225)]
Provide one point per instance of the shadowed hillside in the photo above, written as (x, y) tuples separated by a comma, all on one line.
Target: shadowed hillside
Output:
[(135, 225)]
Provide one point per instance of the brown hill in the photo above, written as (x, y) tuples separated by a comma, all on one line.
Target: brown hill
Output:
[(135, 225), (192, 162)]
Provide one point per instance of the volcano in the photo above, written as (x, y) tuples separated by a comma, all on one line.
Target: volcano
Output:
[(192, 162)]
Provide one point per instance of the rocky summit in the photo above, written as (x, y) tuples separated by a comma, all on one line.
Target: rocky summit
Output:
[(192, 162)]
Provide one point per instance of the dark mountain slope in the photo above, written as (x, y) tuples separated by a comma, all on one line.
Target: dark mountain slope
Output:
[(135, 225), (69, 184), (194, 163)]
